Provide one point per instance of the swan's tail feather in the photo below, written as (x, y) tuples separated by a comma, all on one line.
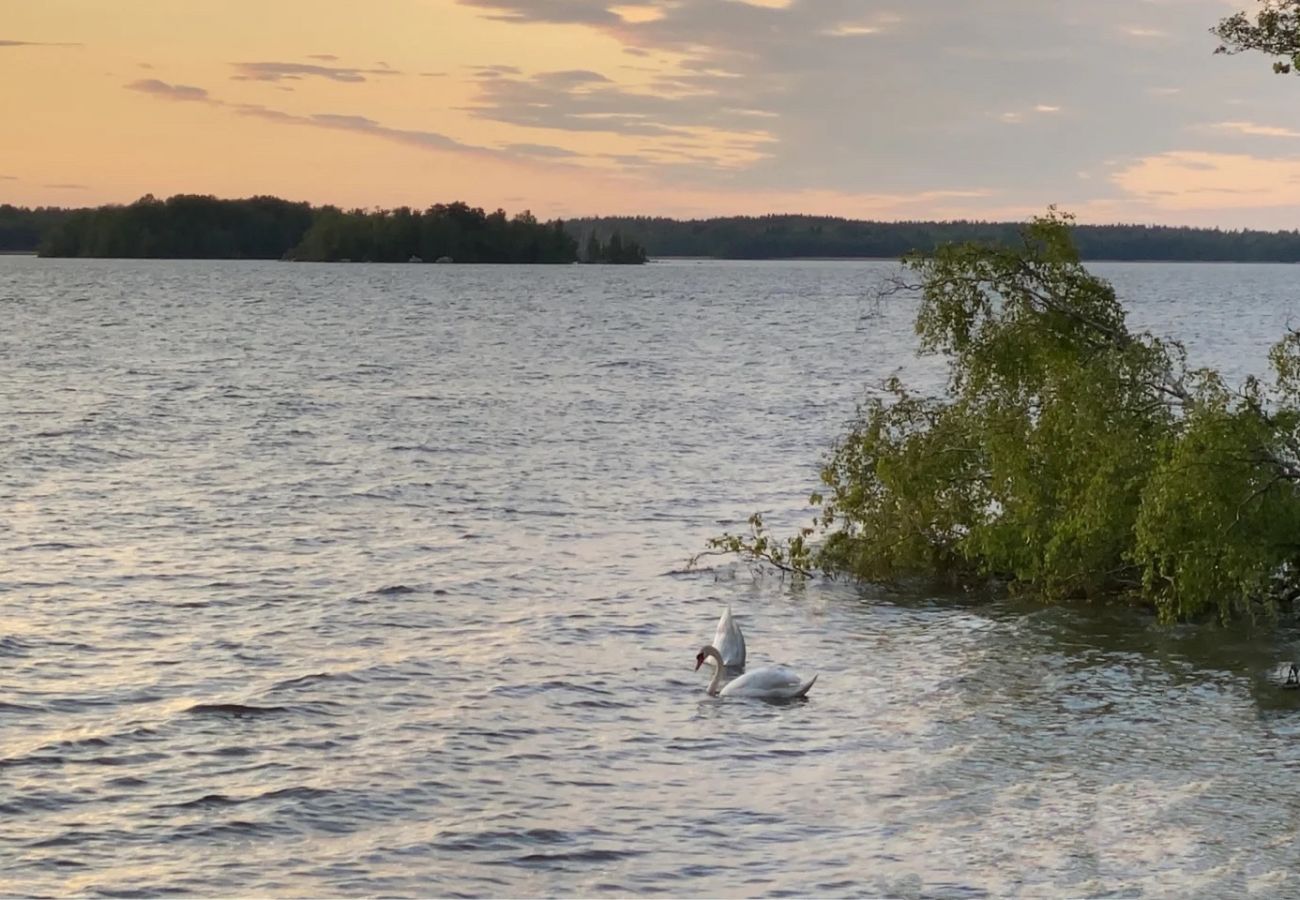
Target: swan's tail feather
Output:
[(805, 688)]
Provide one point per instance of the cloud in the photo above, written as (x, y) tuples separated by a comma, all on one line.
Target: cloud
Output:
[(290, 71), (564, 12), (519, 151), (1250, 128), (583, 100), (323, 57), (1139, 31), (1191, 179), (847, 30), (545, 151), (158, 88), (67, 187), (495, 71), (425, 140), (876, 96), (8, 177), (12, 43), (572, 78)]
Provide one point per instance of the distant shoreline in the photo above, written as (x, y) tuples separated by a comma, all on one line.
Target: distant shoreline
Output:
[(205, 227), (652, 261)]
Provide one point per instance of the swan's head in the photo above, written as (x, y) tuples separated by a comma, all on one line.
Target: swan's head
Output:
[(701, 656)]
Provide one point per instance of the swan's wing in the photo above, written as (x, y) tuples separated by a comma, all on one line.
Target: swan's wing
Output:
[(770, 681), (729, 641)]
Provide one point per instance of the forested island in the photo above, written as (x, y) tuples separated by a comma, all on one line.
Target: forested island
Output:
[(202, 227), (192, 226)]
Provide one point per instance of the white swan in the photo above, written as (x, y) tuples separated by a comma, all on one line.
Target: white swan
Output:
[(767, 683), (729, 642)]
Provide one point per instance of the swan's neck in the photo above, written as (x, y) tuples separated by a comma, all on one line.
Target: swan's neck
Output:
[(715, 683)]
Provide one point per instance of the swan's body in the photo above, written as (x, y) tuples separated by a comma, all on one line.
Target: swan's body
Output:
[(766, 683), (729, 642)]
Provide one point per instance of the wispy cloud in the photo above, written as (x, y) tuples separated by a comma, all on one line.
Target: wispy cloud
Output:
[(425, 140), (1188, 179), (12, 43), (1139, 31), (674, 108), (1015, 117), (495, 71), (157, 88), (564, 12), (1254, 130), (572, 78), (544, 151), (67, 186), (291, 71)]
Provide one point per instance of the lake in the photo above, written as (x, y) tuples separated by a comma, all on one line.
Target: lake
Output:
[(370, 580)]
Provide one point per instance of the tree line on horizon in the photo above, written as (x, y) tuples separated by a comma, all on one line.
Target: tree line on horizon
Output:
[(204, 227), (828, 237), (192, 226)]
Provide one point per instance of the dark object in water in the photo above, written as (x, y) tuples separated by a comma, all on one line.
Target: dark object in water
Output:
[(1292, 678)]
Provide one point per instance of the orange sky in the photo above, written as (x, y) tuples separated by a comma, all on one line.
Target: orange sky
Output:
[(926, 109)]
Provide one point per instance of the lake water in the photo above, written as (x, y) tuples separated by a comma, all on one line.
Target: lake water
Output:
[(368, 580)]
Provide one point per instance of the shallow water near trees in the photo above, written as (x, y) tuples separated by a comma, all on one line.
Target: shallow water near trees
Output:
[(357, 580)]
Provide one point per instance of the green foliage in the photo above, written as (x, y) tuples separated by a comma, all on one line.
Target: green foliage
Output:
[(1275, 31), (617, 250), (201, 227), (21, 228), (184, 226), (1069, 457), (465, 234)]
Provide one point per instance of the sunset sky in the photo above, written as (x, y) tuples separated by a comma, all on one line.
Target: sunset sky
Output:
[(1114, 109)]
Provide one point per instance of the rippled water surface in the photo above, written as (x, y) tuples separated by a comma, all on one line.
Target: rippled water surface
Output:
[(355, 580)]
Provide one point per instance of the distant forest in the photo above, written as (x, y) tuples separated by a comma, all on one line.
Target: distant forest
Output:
[(785, 237), (189, 226), (200, 227)]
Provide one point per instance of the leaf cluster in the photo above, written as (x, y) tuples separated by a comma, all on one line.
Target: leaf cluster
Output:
[(1274, 31)]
